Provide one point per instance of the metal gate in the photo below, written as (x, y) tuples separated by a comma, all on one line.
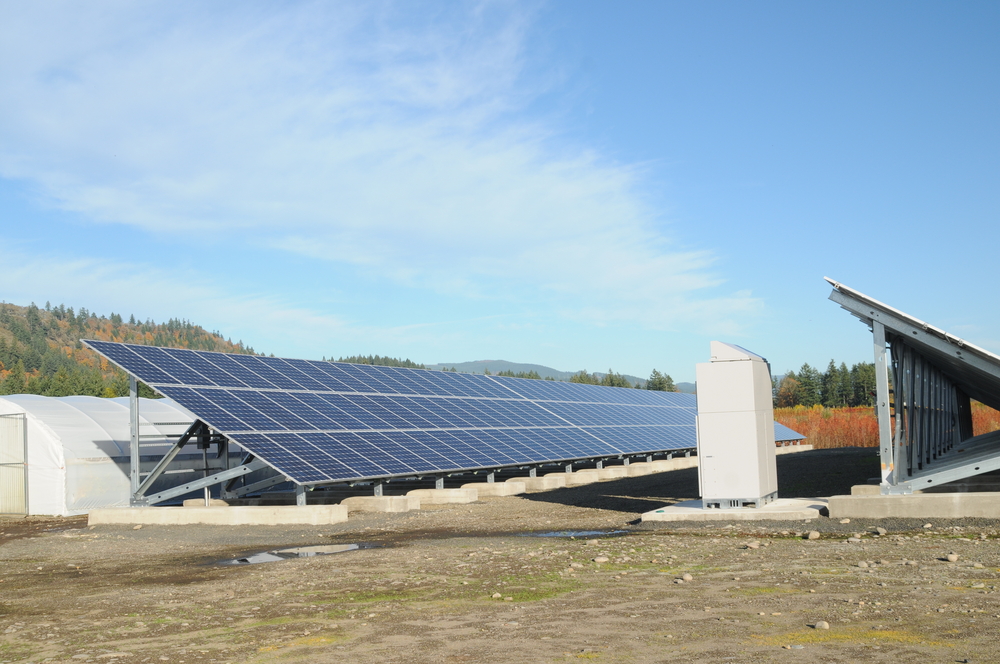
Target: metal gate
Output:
[(13, 464)]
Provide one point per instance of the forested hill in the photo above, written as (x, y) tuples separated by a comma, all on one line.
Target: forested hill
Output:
[(41, 353)]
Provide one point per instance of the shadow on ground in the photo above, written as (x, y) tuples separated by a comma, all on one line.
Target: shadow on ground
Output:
[(812, 474)]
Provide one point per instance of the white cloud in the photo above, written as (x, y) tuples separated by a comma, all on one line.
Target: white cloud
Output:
[(375, 135)]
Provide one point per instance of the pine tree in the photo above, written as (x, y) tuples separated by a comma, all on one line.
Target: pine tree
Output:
[(810, 384)]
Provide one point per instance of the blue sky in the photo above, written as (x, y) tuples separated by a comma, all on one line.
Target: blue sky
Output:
[(575, 184)]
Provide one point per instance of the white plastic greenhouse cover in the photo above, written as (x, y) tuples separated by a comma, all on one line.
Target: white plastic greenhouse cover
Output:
[(78, 447)]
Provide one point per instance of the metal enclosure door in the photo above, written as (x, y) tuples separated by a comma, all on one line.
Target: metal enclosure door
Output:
[(13, 464)]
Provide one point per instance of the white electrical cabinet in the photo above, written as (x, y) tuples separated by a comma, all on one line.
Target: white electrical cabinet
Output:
[(736, 451)]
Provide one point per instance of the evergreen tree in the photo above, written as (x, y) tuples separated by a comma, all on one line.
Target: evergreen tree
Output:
[(863, 384), (660, 382), (612, 379), (810, 384), (585, 378)]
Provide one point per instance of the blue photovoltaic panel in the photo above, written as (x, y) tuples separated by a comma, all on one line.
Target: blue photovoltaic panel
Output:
[(328, 421)]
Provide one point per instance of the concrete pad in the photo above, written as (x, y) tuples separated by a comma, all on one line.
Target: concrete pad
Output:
[(792, 449), (580, 477), (546, 483), (278, 515), (444, 496), (381, 503), (507, 488), (612, 473), (984, 505), (782, 509), (200, 502), (639, 469)]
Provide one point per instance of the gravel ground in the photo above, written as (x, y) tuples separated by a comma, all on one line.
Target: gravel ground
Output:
[(486, 583)]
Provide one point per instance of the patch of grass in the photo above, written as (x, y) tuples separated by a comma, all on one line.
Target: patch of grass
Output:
[(532, 589)]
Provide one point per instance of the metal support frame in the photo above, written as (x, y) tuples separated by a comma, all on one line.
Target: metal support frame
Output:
[(377, 488), (882, 404), (196, 428), (933, 375), (533, 471), (133, 427), (491, 477), (569, 467), (256, 487), (300, 494), (439, 482), (217, 478)]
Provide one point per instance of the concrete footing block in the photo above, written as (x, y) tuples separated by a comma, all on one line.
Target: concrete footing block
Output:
[(782, 509), (445, 496), (918, 506), (278, 515), (677, 463), (639, 469), (544, 483), (381, 503), (494, 489), (580, 477), (866, 490), (612, 473), (200, 502)]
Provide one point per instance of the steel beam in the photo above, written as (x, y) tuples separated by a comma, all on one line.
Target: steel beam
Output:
[(882, 403), (256, 486), (205, 482), (165, 461), (133, 426)]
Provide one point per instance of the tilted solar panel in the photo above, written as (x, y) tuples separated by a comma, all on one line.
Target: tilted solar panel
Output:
[(319, 422)]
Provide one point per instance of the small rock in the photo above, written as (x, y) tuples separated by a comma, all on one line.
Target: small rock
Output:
[(977, 565), (576, 565), (845, 520), (854, 540), (753, 545), (508, 599), (821, 624), (496, 595), (978, 585), (687, 577), (952, 557), (678, 581), (601, 559), (928, 525), (776, 613), (881, 531), (862, 564), (138, 527), (591, 542), (813, 535), (911, 563)]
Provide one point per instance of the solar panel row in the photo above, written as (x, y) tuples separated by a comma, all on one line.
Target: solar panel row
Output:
[(326, 421)]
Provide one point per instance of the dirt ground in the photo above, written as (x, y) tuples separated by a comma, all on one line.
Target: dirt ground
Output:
[(487, 582)]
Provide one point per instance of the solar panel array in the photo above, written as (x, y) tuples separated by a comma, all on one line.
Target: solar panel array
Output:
[(319, 422)]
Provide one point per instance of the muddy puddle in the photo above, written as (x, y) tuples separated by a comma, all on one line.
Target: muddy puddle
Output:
[(277, 555), (578, 534)]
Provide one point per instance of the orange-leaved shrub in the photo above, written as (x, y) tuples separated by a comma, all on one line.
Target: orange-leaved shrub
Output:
[(857, 427)]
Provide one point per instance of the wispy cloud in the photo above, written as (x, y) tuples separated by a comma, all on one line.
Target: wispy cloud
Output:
[(388, 137)]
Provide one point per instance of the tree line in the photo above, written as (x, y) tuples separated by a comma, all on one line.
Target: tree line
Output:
[(657, 381), (41, 353), (837, 387)]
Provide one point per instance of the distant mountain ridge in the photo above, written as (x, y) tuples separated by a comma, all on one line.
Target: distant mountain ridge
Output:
[(496, 366)]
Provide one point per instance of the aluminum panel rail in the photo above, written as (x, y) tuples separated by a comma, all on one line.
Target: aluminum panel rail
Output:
[(927, 438)]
